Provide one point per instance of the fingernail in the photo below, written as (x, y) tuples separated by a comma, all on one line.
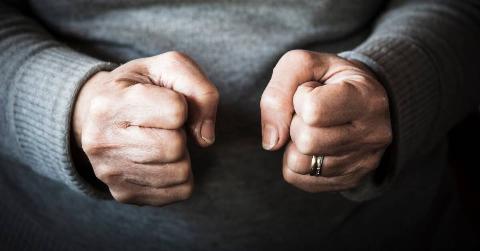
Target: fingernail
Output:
[(270, 137), (208, 131)]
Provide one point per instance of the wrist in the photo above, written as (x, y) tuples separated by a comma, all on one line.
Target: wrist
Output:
[(82, 103)]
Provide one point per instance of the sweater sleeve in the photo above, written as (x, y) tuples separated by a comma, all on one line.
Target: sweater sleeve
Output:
[(39, 80), (424, 53)]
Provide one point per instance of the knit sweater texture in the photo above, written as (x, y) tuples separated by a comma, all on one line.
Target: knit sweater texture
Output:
[(422, 51)]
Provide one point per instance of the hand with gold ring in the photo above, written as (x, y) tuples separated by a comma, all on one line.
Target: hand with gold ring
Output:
[(326, 108)]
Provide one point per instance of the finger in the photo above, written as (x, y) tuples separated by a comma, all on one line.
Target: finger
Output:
[(324, 140), (296, 161), (152, 146), (160, 176), (294, 68), (154, 175), (164, 196), (332, 165), (147, 105), (177, 71), (328, 105), (276, 115), (314, 184), (347, 180), (137, 144), (142, 195)]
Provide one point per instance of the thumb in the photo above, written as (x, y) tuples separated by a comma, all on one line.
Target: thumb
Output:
[(277, 112), (177, 71), (293, 69), (202, 104)]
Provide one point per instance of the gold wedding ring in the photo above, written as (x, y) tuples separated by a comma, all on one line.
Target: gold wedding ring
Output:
[(316, 165)]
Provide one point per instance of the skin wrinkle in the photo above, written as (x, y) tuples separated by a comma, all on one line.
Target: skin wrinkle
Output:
[(237, 45), (240, 186), (120, 147), (342, 133)]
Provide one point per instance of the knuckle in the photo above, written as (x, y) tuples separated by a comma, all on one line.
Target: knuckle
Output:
[(311, 112), (106, 174), (265, 101), (94, 142), (288, 176), (377, 104), (99, 106), (177, 111), (185, 192), (305, 143), (183, 174), (175, 56), (210, 93), (297, 54), (387, 136), (296, 169), (380, 138), (292, 160), (90, 144), (302, 57), (215, 95), (270, 100), (123, 197), (176, 146)]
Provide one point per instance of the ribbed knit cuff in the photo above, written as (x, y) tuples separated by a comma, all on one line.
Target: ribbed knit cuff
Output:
[(45, 91), (406, 72)]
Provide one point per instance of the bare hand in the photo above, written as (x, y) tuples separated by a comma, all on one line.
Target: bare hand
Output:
[(324, 105), (130, 123)]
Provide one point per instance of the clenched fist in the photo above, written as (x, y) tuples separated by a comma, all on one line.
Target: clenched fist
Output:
[(323, 105), (130, 123)]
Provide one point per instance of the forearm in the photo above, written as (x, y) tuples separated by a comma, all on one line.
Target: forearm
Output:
[(425, 52), (38, 85), (422, 51)]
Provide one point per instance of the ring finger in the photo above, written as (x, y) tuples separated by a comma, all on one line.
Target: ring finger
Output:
[(300, 163), (144, 195), (120, 171)]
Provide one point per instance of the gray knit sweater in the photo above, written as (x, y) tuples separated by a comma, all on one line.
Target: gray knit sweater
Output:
[(424, 52)]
